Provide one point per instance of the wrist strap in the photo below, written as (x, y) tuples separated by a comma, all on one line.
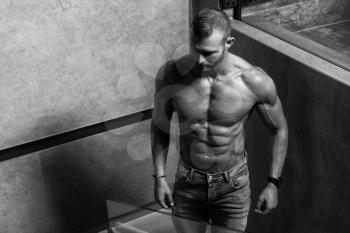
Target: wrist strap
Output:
[(159, 177), (276, 181)]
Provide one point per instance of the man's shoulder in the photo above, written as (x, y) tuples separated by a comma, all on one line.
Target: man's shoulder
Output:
[(184, 64), (258, 81), (166, 73), (173, 71), (253, 76), (239, 62)]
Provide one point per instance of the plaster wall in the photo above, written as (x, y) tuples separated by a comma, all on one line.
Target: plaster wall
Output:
[(23, 203), (66, 64), (81, 176)]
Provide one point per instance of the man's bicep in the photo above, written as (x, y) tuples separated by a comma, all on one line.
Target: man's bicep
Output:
[(272, 113), (163, 110)]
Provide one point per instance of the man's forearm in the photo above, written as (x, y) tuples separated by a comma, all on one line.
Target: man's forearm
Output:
[(279, 151), (160, 145)]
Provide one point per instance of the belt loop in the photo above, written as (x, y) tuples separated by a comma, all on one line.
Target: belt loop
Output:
[(190, 175), (192, 171), (227, 177)]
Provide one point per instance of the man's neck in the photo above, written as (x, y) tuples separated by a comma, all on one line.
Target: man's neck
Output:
[(222, 68)]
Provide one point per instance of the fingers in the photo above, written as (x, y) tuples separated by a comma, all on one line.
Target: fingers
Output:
[(169, 200), (161, 201), (165, 200), (262, 207), (265, 211), (259, 206)]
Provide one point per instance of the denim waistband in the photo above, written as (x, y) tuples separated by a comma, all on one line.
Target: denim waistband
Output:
[(238, 169)]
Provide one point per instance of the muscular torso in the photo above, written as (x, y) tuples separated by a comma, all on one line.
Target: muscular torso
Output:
[(212, 112)]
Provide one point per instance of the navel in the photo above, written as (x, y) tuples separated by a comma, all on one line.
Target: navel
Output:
[(203, 161)]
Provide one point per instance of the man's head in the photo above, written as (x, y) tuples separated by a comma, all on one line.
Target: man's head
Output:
[(210, 34), (208, 20)]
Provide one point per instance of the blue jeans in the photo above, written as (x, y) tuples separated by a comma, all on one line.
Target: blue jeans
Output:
[(221, 199)]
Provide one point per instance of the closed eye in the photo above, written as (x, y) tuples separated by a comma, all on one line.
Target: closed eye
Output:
[(206, 54)]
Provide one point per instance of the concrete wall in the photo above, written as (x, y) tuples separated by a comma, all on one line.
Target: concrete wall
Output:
[(66, 64), (81, 176), (24, 206), (314, 196)]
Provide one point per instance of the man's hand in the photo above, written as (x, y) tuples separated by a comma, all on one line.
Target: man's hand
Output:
[(162, 193), (268, 199)]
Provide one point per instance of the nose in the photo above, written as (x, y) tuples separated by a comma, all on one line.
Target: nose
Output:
[(200, 59)]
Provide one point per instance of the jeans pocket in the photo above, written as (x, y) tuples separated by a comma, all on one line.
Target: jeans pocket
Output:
[(241, 181), (181, 175), (178, 176)]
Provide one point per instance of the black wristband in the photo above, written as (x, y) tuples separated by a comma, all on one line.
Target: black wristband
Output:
[(159, 177), (276, 181)]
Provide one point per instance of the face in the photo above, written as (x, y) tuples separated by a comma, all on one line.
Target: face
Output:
[(210, 51)]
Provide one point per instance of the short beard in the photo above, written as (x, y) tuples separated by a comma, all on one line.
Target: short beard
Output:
[(221, 58)]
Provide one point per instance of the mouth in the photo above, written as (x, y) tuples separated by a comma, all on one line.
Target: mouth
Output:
[(207, 67), (201, 65)]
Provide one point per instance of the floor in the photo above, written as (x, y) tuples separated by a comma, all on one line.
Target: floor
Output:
[(151, 223), (331, 30), (335, 36)]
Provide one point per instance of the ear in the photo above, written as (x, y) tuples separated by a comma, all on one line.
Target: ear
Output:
[(229, 42)]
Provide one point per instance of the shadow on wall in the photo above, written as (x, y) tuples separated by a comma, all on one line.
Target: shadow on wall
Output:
[(80, 176)]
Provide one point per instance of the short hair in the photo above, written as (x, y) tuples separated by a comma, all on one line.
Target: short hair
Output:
[(209, 19)]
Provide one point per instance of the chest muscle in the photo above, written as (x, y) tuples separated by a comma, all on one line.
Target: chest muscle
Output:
[(217, 101)]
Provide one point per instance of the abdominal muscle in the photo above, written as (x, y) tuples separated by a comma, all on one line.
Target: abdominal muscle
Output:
[(214, 150)]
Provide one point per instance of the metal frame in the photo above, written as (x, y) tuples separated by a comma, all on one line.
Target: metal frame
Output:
[(237, 10), (72, 135)]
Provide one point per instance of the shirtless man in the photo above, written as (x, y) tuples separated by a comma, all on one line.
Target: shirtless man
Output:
[(213, 92)]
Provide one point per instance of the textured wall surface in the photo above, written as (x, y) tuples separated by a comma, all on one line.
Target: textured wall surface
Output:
[(66, 64), (325, 22), (297, 15), (314, 196), (24, 206), (116, 165)]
